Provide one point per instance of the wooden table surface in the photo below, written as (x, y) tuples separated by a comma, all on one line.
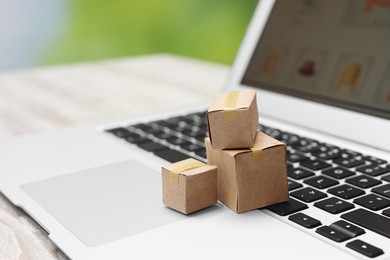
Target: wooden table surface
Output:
[(46, 99)]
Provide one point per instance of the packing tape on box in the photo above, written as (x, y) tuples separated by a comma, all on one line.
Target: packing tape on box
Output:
[(229, 111), (257, 153), (193, 164)]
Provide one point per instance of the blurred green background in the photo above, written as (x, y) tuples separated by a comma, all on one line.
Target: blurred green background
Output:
[(204, 29)]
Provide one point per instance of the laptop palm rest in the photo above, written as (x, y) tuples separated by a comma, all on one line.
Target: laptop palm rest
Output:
[(105, 204)]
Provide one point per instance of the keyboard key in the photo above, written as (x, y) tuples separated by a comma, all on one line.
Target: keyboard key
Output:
[(383, 190), (166, 136), (137, 139), (373, 170), (171, 155), (287, 208), (386, 178), (365, 248), (299, 173), (289, 139), (273, 132), (333, 234), (143, 127), (373, 202), (346, 153), (304, 220), (338, 173), (363, 181), (201, 153), (328, 155), (179, 141), (386, 212), (314, 164), (321, 182), (192, 147), (348, 228), (120, 132), (292, 185), (346, 191), (295, 157), (349, 163), (308, 194), (334, 205), (311, 146), (374, 160), (152, 146), (369, 220)]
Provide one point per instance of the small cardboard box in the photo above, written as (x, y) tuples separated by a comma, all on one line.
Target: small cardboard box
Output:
[(251, 178), (189, 185), (233, 119)]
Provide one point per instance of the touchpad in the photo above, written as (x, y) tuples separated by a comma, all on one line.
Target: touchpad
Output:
[(107, 203)]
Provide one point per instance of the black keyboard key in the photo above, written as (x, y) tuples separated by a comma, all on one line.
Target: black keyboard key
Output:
[(165, 136), (292, 185), (314, 164), (373, 202), (346, 191), (373, 169), (143, 127), (327, 155), (333, 234), (386, 178), (369, 220), (346, 153), (334, 205), (179, 141), (287, 208), (274, 133), (171, 155), (295, 157), (304, 220), (338, 173), (192, 147), (120, 132), (374, 160), (363, 181), (321, 182), (308, 148), (201, 153), (137, 139), (365, 248), (152, 146), (289, 139), (386, 212), (299, 173), (349, 163), (348, 228), (308, 194), (383, 190)]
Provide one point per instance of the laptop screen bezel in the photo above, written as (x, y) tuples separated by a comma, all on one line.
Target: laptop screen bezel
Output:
[(350, 125)]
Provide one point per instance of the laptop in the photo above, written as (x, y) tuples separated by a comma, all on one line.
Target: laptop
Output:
[(321, 70)]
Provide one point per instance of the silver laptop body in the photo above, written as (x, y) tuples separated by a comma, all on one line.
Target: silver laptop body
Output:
[(322, 72)]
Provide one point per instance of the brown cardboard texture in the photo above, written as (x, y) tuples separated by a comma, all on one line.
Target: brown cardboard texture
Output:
[(192, 189), (249, 180), (231, 128)]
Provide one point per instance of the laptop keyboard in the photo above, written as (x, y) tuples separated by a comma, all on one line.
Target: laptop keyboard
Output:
[(320, 175)]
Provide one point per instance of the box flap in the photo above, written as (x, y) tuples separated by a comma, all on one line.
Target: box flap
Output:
[(244, 100), (189, 162), (262, 141)]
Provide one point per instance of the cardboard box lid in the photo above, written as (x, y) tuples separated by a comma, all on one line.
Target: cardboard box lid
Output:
[(262, 141), (244, 100), (191, 171)]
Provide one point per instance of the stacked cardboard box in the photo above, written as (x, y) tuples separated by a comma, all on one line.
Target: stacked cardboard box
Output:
[(249, 167), (252, 170)]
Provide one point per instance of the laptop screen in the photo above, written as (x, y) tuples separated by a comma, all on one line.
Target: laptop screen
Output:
[(334, 52)]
